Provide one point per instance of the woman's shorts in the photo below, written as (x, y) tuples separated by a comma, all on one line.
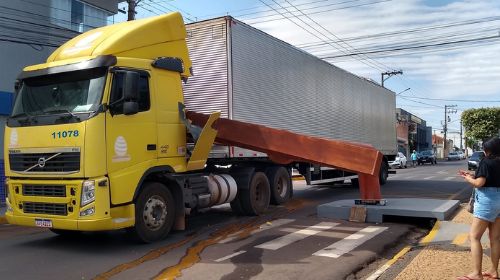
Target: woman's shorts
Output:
[(487, 203)]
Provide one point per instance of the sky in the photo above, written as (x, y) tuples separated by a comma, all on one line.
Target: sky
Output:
[(448, 51)]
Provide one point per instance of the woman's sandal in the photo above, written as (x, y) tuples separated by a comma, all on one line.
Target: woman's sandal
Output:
[(489, 275), (465, 277)]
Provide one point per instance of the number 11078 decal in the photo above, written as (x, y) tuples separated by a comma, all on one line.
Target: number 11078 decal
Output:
[(65, 134)]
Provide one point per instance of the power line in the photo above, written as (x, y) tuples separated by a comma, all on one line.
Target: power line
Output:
[(335, 36), (318, 12), (413, 47), (308, 31), (452, 100)]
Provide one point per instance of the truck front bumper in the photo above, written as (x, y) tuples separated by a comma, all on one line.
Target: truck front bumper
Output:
[(42, 208)]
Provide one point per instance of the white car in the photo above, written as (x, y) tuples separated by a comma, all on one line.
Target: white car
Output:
[(399, 161), (462, 155), (453, 156)]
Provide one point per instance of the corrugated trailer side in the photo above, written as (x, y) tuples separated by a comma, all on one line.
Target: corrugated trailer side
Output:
[(272, 83)]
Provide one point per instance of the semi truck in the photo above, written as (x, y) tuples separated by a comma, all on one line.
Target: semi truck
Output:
[(109, 132)]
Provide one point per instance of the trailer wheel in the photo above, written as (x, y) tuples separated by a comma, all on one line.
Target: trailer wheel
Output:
[(280, 183), (255, 200), (384, 173), (154, 213)]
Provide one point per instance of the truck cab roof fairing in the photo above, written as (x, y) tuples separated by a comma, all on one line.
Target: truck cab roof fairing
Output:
[(100, 61)]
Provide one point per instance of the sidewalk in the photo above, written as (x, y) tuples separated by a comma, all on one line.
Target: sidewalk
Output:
[(443, 254)]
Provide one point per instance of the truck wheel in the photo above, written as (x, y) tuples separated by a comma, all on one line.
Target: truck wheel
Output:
[(255, 200), (384, 173), (280, 183), (154, 213)]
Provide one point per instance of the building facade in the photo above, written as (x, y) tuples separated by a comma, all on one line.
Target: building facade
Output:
[(412, 132)]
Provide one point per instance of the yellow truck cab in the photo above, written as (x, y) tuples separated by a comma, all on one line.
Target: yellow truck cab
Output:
[(94, 128)]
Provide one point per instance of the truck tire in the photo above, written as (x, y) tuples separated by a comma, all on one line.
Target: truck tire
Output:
[(384, 173), (255, 200), (154, 213), (280, 183)]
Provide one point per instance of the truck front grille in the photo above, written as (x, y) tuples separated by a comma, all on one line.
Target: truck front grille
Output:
[(45, 162), (44, 190), (45, 208)]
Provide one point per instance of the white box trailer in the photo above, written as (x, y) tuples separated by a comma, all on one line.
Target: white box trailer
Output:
[(253, 77)]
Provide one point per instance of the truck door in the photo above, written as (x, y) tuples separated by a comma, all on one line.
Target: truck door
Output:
[(130, 139)]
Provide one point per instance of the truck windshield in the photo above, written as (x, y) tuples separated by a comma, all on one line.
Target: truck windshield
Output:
[(58, 98)]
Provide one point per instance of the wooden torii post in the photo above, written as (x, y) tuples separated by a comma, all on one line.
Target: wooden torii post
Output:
[(285, 147)]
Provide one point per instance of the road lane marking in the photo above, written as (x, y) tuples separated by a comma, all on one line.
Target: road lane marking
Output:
[(460, 239), (428, 178), (288, 239), (230, 256), (349, 243), (442, 172), (263, 227), (449, 178)]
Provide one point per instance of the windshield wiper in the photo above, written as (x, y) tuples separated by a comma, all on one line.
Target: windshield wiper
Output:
[(65, 111), (29, 118)]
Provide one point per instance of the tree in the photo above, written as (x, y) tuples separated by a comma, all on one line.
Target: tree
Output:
[(481, 123)]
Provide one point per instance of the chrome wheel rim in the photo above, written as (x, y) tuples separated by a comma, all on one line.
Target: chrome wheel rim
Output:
[(154, 213)]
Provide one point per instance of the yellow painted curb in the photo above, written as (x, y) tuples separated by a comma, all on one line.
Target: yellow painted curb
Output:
[(389, 263), (431, 235), (460, 239)]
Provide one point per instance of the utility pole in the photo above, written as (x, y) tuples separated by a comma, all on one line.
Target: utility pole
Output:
[(132, 4), (461, 146), (389, 74), (447, 111)]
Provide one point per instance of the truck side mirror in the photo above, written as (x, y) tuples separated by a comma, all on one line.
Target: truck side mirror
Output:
[(131, 93), (130, 107), (131, 86)]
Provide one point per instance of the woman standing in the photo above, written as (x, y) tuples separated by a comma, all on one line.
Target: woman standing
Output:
[(486, 210)]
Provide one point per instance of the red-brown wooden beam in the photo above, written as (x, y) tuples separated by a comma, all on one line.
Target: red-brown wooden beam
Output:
[(285, 147)]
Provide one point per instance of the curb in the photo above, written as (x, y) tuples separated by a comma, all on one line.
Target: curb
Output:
[(3, 220), (427, 239)]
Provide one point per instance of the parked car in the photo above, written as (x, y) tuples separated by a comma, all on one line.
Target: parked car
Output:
[(475, 159), (400, 161), (461, 154), (426, 157), (453, 156)]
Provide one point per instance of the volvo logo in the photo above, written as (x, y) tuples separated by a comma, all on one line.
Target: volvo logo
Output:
[(41, 162)]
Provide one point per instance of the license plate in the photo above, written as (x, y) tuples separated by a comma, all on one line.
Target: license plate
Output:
[(46, 223)]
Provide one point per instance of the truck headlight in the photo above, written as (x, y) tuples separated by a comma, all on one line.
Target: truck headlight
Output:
[(88, 192)]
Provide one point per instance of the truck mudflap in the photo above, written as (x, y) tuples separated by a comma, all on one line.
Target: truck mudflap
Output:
[(285, 147)]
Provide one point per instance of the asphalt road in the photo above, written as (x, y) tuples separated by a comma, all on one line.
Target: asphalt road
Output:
[(289, 242)]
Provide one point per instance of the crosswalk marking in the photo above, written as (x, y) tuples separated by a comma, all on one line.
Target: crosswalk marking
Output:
[(263, 227), (288, 239), (230, 256), (349, 243)]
